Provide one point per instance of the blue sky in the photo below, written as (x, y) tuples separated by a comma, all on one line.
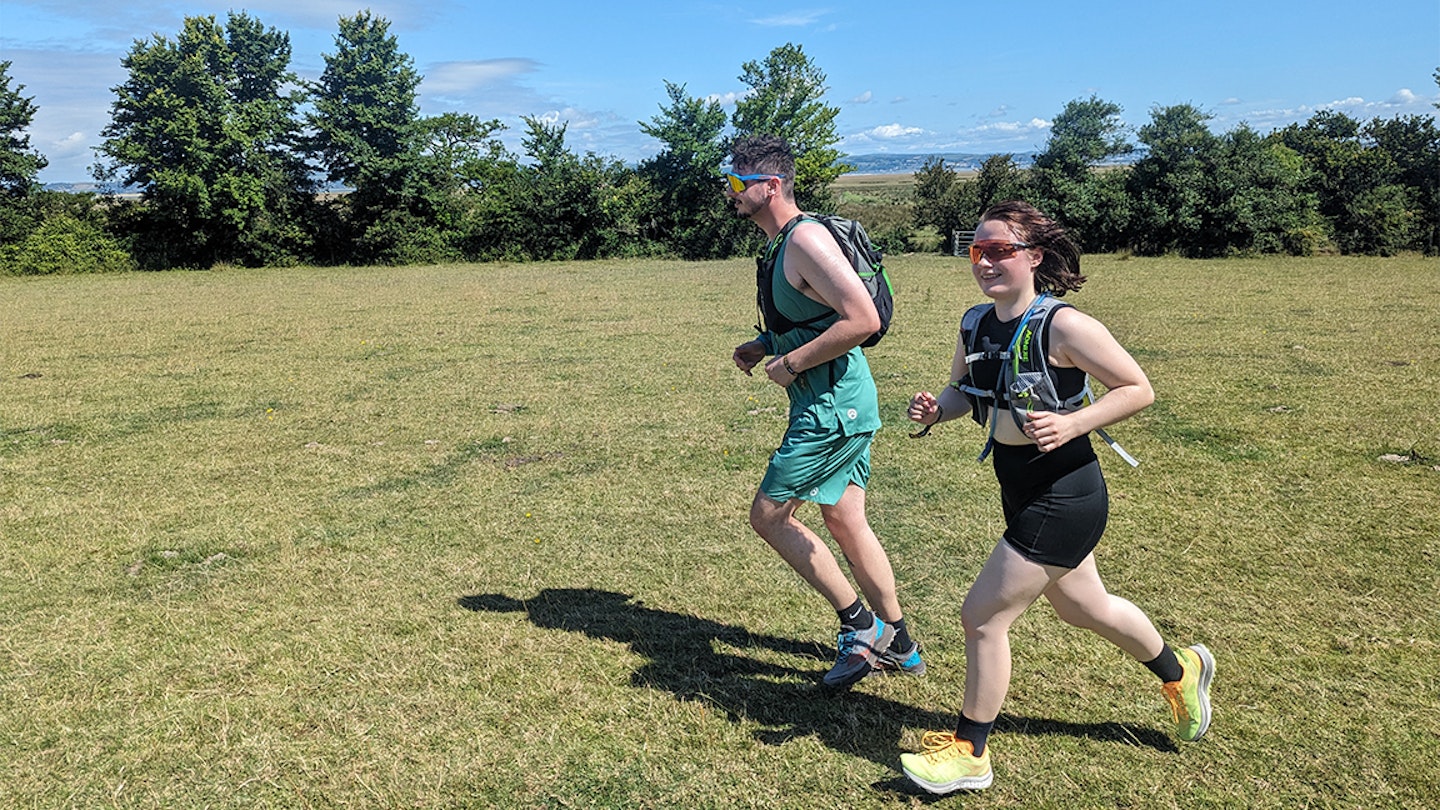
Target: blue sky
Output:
[(918, 78)]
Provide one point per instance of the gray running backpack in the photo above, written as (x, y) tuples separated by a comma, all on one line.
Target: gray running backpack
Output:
[(864, 258)]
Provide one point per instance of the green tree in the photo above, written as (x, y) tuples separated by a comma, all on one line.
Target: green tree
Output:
[(205, 125), (690, 214), (785, 99), (943, 201), (557, 199), (1412, 143), (999, 179), (946, 202), (1258, 203), (1066, 180), (19, 216), (63, 243), (19, 165), (366, 119), (1329, 144), (1168, 186), (1084, 135), (59, 232), (480, 178), (1366, 207), (557, 205), (369, 137), (464, 147)]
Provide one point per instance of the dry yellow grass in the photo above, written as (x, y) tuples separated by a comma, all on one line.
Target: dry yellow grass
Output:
[(474, 536)]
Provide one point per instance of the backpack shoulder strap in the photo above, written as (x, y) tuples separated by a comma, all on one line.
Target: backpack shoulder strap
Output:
[(770, 318), (825, 222), (772, 249), (1040, 307), (970, 329)]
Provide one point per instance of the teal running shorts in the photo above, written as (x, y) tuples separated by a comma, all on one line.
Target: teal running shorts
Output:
[(815, 463)]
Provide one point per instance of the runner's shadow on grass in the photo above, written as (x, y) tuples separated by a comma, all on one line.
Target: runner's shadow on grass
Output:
[(706, 661)]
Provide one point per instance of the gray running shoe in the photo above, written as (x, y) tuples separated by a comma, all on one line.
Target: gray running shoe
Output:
[(859, 652), (907, 662)]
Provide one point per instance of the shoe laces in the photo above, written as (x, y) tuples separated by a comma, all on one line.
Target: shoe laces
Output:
[(943, 745), (1171, 691), (846, 640)]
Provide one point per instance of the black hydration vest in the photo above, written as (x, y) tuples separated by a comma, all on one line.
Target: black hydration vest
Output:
[(1026, 381)]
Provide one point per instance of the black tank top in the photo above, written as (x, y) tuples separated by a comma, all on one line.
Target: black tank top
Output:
[(995, 335)]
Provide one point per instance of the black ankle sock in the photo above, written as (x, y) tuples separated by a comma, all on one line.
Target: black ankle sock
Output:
[(1165, 665), (902, 640), (976, 733), (856, 616)]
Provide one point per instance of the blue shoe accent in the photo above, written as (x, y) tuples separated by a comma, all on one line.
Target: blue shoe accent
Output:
[(906, 661)]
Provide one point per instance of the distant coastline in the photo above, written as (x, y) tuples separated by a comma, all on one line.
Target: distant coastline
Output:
[(963, 162)]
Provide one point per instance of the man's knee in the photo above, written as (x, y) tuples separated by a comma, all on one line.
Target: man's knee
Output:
[(768, 515), (837, 524), (846, 518)]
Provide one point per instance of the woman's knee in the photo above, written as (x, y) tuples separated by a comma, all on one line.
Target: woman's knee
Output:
[(981, 618), (1098, 613), (1077, 615)]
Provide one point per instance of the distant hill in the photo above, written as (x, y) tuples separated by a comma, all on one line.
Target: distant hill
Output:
[(88, 188), (889, 163)]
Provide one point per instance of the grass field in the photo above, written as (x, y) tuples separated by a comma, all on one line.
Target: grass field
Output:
[(475, 536), (884, 202)]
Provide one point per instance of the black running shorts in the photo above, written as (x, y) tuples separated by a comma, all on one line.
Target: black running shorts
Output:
[(1055, 503)]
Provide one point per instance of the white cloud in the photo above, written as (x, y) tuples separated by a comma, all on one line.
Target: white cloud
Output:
[(1266, 118), (572, 117), (892, 131), (1404, 101), (793, 19), (71, 144), (462, 78), (863, 98), (727, 99), (1014, 127)]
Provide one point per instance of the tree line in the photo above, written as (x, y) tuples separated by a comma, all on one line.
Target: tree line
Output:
[(232, 155), (1330, 184)]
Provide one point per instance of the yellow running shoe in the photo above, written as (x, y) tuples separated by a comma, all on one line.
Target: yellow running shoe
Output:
[(948, 763), (1189, 697)]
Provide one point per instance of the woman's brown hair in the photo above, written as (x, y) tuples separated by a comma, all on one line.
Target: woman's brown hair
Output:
[(1059, 270)]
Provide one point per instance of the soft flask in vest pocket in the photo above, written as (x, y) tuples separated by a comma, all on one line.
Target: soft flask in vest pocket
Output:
[(1030, 391)]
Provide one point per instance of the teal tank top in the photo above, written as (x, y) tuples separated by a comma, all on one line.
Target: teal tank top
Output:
[(840, 393)]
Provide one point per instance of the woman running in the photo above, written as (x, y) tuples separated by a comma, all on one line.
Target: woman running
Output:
[(1053, 495)]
